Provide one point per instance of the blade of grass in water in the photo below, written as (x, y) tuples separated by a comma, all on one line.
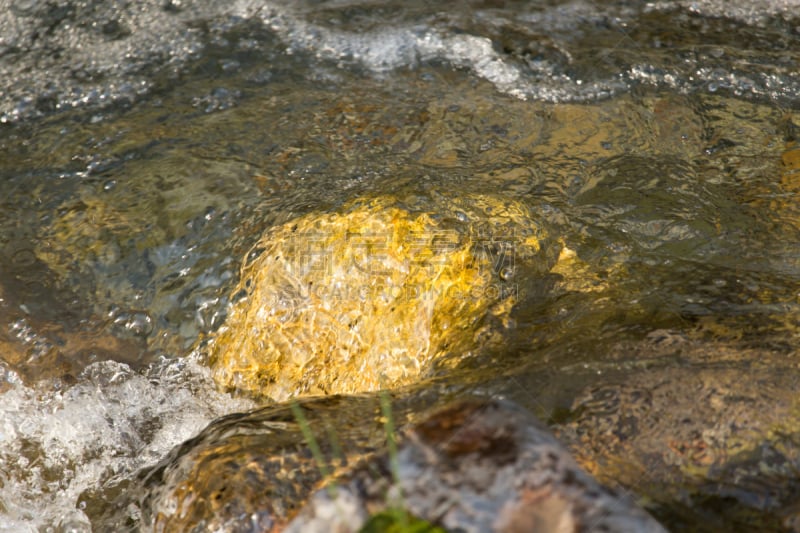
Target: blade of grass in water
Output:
[(313, 445)]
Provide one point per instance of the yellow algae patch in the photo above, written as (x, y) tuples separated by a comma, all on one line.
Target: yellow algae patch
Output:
[(577, 275), (790, 177), (366, 298)]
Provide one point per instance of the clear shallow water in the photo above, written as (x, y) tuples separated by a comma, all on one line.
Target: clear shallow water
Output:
[(658, 141)]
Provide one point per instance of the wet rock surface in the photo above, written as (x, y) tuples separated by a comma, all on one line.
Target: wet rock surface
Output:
[(370, 297), (49, 336), (480, 465), (476, 465), (689, 425), (251, 471)]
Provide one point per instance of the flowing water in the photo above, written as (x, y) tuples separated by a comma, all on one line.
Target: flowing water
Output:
[(145, 149)]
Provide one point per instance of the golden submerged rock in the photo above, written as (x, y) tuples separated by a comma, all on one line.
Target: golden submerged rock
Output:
[(367, 298)]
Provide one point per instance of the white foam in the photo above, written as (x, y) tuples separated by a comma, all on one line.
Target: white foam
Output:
[(407, 44), (399, 46), (390, 48), (749, 11), (55, 445)]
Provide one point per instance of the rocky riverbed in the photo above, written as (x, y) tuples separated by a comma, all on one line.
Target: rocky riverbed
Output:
[(582, 217)]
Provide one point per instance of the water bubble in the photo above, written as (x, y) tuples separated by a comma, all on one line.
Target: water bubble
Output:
[(138, 323), (24, 257), (22, 330), (507, 273), (717, 52), (208, 313), (172, 6), (229, 65), (25, 7), (218, 99), (75, 524)]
